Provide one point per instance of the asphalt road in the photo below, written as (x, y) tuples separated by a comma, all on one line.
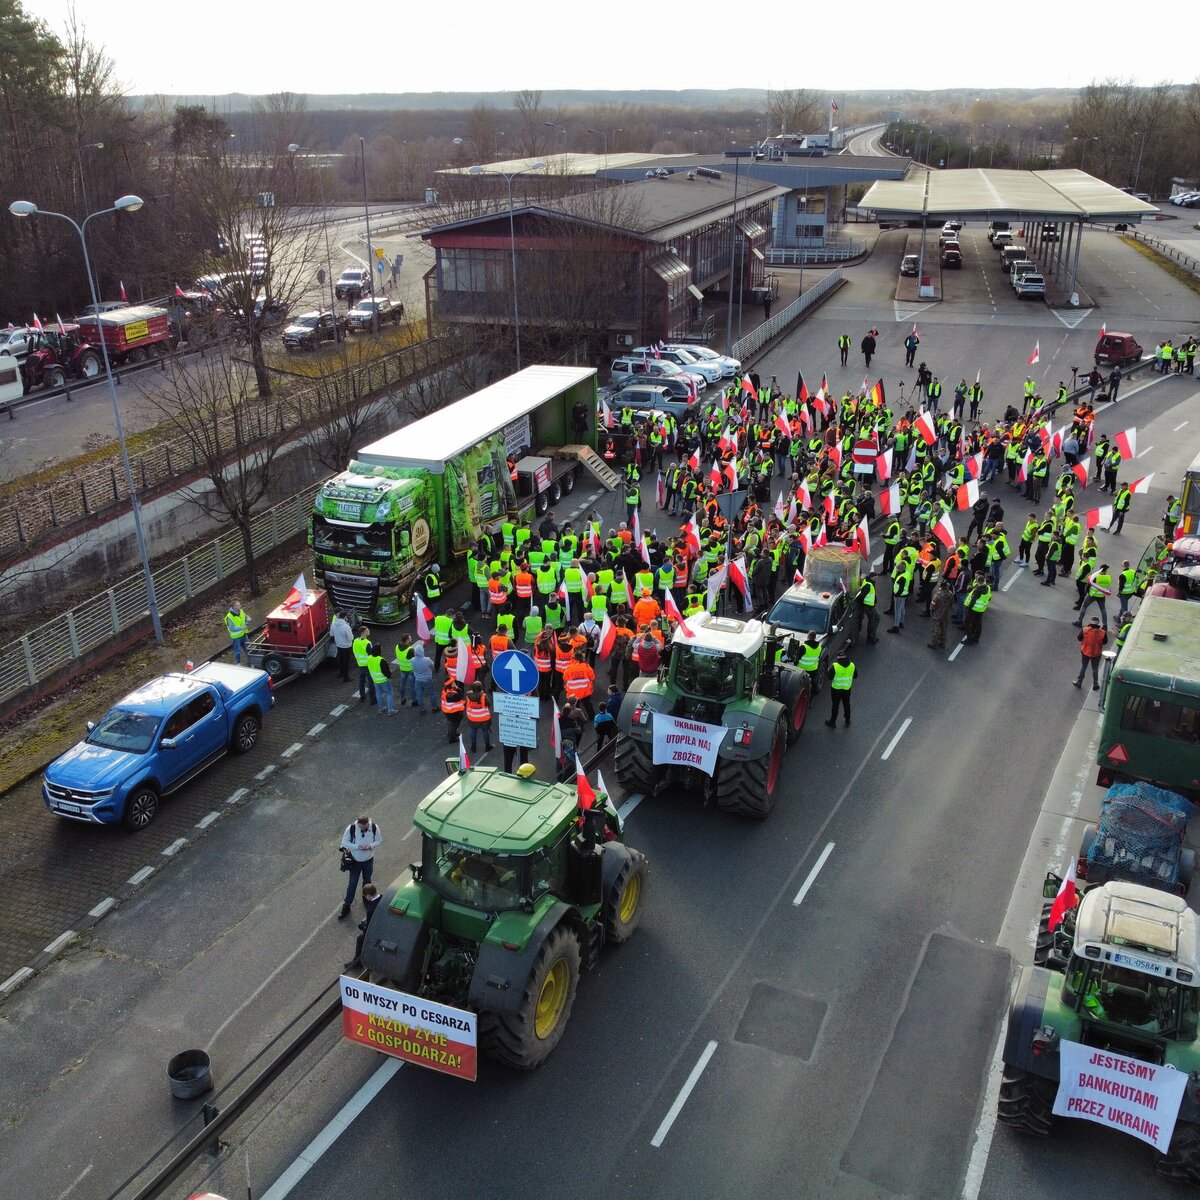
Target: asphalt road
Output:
[(853, 1031)]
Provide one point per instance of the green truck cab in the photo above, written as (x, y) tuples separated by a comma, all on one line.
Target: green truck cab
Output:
[(517, 890), (1151, 724)]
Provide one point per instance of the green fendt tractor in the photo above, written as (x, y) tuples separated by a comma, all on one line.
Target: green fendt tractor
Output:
[(729, 673), (1131, 986), (517, 890)]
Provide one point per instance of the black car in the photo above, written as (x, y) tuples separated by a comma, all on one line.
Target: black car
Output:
[(310, 328), (353, 283)]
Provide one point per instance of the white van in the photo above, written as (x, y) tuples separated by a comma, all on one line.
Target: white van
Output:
[(12, 382)]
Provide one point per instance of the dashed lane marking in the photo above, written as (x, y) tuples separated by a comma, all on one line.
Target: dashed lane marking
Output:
[(626, 809), (140, 876), (292, 750), (684, 1092), (954, 653), (61, 942), (266, 772), (175, 847), (892, 745), (234, 797), (810, 879), (105, 906), (318, 729)]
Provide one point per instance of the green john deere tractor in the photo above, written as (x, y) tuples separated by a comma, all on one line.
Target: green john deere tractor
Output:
[(729, 673), (517, 890), (1131, 985)]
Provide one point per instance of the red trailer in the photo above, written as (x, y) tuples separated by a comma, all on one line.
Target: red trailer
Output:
[(131, 334)]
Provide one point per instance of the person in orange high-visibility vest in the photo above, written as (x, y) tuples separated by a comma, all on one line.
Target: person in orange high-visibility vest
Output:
[(523, 588), (479, 658), (453, 706), (579, 680), (564, 655), (499, 642), (450, 659), (497, 593), (646, 609), (543, 659), (479, 717)]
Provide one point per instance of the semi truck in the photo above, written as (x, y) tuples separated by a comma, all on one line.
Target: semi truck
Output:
[(423, 493), (131, 334)]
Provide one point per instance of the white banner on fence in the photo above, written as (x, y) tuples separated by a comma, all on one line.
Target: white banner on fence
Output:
[(1123, 1093), (682, 743)]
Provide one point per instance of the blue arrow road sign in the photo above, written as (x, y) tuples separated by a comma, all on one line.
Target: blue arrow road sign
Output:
[(515, 673)]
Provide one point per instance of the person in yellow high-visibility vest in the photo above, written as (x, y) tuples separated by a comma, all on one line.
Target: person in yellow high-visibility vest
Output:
[(235, 626), (841, 681)]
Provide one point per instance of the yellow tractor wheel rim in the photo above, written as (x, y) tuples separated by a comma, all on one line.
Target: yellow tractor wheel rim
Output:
[(631, 897), (552, 999)]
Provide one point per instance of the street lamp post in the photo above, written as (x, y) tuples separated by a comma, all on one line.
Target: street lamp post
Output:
[(512, 237), (295, 148), (26, 208), (1137, 171), (362, 146), (1083, 141), (82, 179), (559, 129), (733, 231)]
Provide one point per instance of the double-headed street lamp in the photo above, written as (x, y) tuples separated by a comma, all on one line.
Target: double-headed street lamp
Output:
[(27, 208), (509, 176)]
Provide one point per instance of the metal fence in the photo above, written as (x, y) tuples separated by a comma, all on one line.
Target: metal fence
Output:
[(773, 326), (1167, 251), (49, 648), (838, 251), (98, 488)]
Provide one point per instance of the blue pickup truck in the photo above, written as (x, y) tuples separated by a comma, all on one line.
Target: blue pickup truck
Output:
[(154, 741)]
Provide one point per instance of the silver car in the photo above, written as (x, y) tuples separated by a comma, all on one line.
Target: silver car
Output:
[(17, 342), (729, 366)]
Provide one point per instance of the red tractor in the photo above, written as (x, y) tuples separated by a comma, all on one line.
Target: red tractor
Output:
[(57, 355)]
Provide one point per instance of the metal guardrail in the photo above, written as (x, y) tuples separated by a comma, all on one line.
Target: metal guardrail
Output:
[(773, 326), (48, 648), (1167, 251), (99, 488), (831, 252)]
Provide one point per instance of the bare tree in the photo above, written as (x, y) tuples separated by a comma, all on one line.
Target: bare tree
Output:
[(793, 110), (530, 129), (335, 413), (234, 436)]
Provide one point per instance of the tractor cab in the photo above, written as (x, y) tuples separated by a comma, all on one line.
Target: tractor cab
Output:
[(719, 664)]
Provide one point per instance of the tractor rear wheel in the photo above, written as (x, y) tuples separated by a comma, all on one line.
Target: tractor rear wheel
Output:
[(635, 765), (1182, 1159), (1026, 1101), (623, 903), (525, 1039), (748, 789)]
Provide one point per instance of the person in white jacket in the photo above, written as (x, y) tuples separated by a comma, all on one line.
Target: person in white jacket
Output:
[(360, 841)]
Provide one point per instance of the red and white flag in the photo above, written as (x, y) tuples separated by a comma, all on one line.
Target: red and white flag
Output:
[(1026, 463), (565, 597), (608, 638), (1126, 442), (791, 512), (741, 581), (660, 491), (1103, 328), (833, 105), (123, 296), (944, 532), (672, 611), (924, 426), (966, 495), (785, 430), (1080, 471), (802, 494), (464, 759), (464, 665), (636, 527), (797, 579), (974, 464), (178, 290), (1139, 487), (863, 537), (607, 414), (732, 475), (692, 534), (889, 500), (748, 386), (1098, 516), (1035, 357), (1066, 899), (693, 461), (728, 441), (780, 510), (556, 741), (883, 464), (296, 597), (835, 457), (58, 321), (37, 324), (424, 617), (583, 789)]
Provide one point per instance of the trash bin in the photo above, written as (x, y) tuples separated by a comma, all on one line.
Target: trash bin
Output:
[(190, 1074)]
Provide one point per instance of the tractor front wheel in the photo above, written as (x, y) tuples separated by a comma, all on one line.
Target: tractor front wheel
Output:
[(525, 1039), (623, 903), (1026, 1101), (1182, 1160), (635, 765), (748, 789)]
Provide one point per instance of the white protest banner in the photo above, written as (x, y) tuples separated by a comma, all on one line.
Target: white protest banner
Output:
[(419, 1031), (1123, 1093), (682, 743)]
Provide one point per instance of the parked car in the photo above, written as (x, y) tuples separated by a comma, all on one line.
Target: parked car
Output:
[(17, 342), (952, 226), (650, 396), (310, 328), (1020, 268), (637, 369), (1049, 232), (677, 386), (1001, 239), (952, 257), (155, 740), (381, 308), (1181, 198), (947, 236), (1030, 286), (910, 264), (1012, 254), (729, 366), (353, 283), (683, 359), (1117, 349), (995, 227)]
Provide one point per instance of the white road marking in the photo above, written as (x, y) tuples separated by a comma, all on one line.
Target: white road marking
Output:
[(140, 876), (1146, 451), (338, 711), (15, 980), (1179, 427), (293, 749), (955, 651), (409, 834), (105, 906), (234, 797), (266, 772), (313, 1152), (174, 848), (895, 739), (318, 729), (626, 809), (1011, 580), (206, 821), (1072, 320), (680, 1100), (812, 875), (61, 942), (78, 1180)]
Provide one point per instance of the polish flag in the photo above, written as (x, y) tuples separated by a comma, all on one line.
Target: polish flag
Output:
[(556, 733), (464, 667), (862, 391), (835, 456), (780, 511), (974, 464), (1035, 357), (608, 637), (1140, 487), (123, 296), (59, 322), (37, 324), (741, 581), (565, 597), (660, 491), (299, 593), (1103, 328), (178, 290), (944, 532), (889, 500), (637, 527), (1026, 463), (583, 789), (645, 552), (912, 458), (1081, 469), (728, 441), (424, 617), (732, 475), (1098, 516), (464, 760), (672, 611), (797, 579), (914, 329), (1092, 577), (827, 505), (1066, 899), (805, 538), (747, 386), (1126, 442), (791, 512), (822, 537), (784, 428), (803, 496), (820, 404), (715, 477), (607, 414), (863, 537), (692, 534), (883, 464), (924, 426), (693, 461), (967, 494)]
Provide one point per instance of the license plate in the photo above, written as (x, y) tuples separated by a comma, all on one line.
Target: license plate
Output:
[(63, 807)]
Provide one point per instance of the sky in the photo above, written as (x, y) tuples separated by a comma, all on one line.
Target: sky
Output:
[(317, 46)]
